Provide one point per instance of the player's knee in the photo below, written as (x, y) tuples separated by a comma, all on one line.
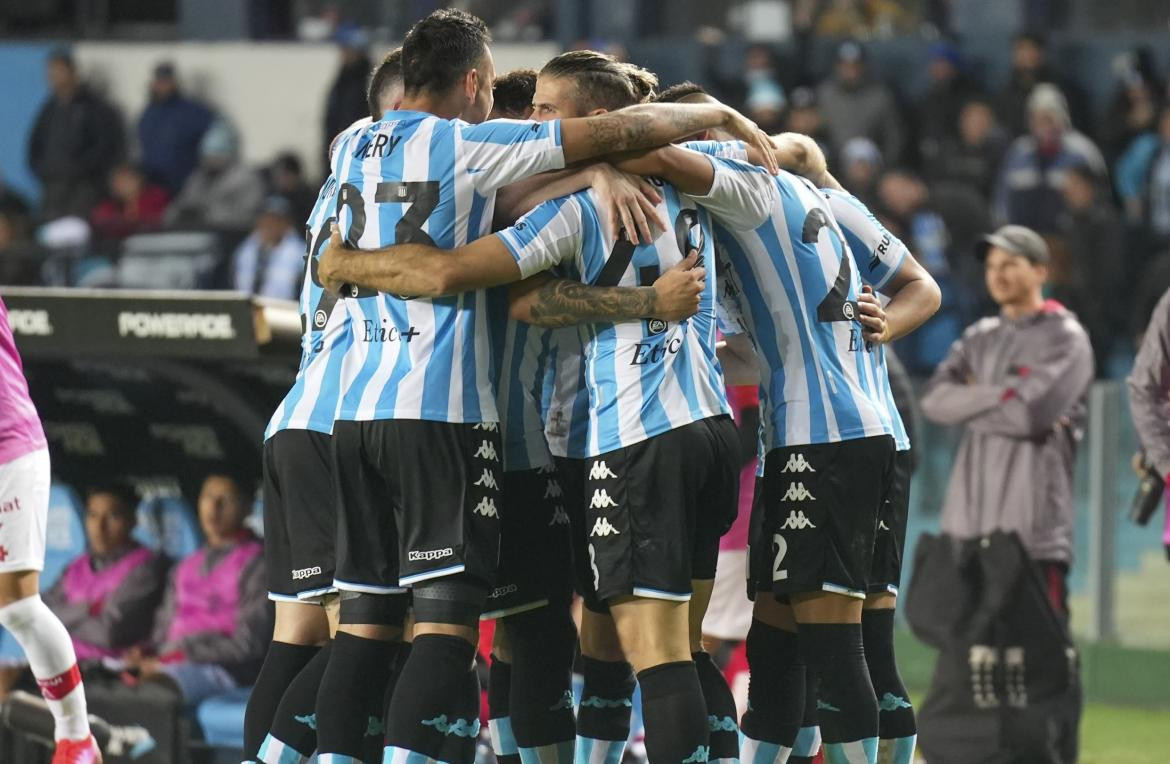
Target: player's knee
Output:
[(449, 601), (599, 637)]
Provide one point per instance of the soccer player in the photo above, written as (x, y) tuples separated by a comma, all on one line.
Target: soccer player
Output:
[(24, 502), (418, 425), (386, 85), (512, 94)]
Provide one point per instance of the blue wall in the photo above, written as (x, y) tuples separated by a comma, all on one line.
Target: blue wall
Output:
[(22, 81)]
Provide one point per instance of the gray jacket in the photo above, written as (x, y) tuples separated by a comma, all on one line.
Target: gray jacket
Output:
[(1149, 389), (1019, 387)]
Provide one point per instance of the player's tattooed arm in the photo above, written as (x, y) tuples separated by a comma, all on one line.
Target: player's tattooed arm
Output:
[(648, 125), (544, 300)]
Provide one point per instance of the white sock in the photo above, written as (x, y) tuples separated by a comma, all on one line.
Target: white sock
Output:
[(50, 655)]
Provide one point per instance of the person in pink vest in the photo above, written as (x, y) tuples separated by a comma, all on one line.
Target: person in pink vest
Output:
[(213, 628), (24, 511), (108, 596)]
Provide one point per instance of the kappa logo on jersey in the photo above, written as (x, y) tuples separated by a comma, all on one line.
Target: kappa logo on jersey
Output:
[(600, 471), (487, 427), (487, 507), (603, 527), (797, 521), (553, 490), (487, 450), (797, 463), (797, 492), (487, 480), (560, 516), (602, 500)]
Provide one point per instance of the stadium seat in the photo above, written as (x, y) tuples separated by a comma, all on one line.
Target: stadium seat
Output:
[(172, 260), (168, 524), (64, 540), (222, 718)]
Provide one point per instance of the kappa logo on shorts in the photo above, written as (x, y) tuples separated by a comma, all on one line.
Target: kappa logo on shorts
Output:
[(553, 490), (487, 480), (882, 525), (487, 450), (603, 527), (602, 499), (487, 427), (797, 521), (797, 492), (560, 516), (415, 555), (797, 463), (297, 575), (503, 591), (486, 507), (600, 471)]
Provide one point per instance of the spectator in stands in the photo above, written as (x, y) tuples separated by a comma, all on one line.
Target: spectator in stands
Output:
[(1091, 280), (1031, 181), (1143, 183), (804, 116), (170, 130), (1029, 69), (223, 192), (1133, 110), (950, 90), (1149, 400), (347, 96), (861, 163), (286, 178), (76, 139), (270, 262), (973, 156), (855, 105), (108, 596), (210, 634), (863, 18), (133, 204), (763, 95)]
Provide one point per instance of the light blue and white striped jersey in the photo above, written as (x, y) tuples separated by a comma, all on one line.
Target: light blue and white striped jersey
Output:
[(311, 403), (644, 377), (878, 255), (525, 355), (413, 177), (565, 403), (797, 289)]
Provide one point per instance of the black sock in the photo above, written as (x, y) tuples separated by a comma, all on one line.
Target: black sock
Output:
[(295, 721), (845, 700), (431, 696), (674, 714), (283, 662), (350, 696), (606, 699), (776, 689), (721, 712), (499, 711), (808, 740), (896, 715), (543, 642)]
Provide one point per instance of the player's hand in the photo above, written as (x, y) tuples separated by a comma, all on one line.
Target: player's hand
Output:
[(631, 202), (749, 132), (677, 291), (330, 259), (872, 317)]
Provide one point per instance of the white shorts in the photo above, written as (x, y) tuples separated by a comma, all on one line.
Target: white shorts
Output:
[(24, 511), (729, 616)]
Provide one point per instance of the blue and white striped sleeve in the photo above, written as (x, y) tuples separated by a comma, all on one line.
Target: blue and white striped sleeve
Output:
[(549, 235), (741, 194), (503, 151), (878, 253), (723, 149)]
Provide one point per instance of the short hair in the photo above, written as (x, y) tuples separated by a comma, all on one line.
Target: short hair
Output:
[(645, 82), (387, 75), (601, 81), (125, 494), (513, 91), (679, 91), (442, 48)]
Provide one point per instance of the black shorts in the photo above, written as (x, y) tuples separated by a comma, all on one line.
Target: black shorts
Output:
[(886, 571), (655, 510), (417, 500), (571, 473), (814, 528), (300, 515), (535, 546)]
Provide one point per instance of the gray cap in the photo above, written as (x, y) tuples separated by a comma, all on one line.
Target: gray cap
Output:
[(1015, 239)]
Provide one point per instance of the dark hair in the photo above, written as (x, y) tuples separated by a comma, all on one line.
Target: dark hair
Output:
[(513, 92), (1033, 36), (679, 91), (442, 48), (245, 484), (601, 81), (127, 498), (289, 162), (386, 75), (63, 55)]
